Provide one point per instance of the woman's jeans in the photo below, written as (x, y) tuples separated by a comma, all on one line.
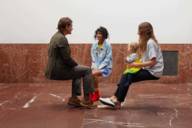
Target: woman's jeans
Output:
[(127, 79)]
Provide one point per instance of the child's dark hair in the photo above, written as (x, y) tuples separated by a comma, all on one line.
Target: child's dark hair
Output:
[(103, 31)]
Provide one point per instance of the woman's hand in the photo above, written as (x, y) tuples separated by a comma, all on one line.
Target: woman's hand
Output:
[(149, 63), (131, 65)]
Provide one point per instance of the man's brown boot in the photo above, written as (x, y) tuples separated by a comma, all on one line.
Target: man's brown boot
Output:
[(74, 101)]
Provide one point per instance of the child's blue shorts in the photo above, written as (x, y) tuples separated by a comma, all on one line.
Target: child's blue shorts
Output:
[(106, 72)]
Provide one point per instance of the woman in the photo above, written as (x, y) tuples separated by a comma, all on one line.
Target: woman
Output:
[(151, 66), (101, 55)]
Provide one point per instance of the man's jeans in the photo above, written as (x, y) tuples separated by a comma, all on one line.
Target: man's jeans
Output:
[(78, 74)]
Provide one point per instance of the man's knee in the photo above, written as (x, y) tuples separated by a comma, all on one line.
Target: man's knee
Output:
[(83, 70), (88, 70)]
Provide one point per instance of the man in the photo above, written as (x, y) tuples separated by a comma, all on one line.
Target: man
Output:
[(61, 66)]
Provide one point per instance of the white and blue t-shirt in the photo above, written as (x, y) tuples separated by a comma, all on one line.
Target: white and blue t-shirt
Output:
[(154, 51)]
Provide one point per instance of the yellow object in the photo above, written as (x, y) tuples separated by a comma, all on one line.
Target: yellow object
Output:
[(100, 45), (133, 69)]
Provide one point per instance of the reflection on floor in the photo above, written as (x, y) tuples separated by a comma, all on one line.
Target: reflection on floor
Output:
[(44, 105)]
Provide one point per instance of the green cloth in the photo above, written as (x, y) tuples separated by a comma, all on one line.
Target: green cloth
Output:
[(133, 69), (60, 61)]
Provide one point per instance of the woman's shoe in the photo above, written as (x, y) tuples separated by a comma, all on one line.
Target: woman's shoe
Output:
[(107, 101), (117, 105), (111, 103)]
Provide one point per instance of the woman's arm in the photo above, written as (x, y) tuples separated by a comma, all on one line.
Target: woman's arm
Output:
[(149, 63), (152, 55)]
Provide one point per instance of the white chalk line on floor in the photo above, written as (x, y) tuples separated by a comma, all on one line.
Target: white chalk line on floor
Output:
[(4, 102), (27, 105), (174, 116), (58, 97), (103, 106), (125, 124)]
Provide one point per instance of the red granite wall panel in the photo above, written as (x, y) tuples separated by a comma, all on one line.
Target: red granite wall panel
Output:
[(26, 62)]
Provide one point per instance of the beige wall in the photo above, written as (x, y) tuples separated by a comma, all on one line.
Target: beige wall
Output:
[(35, 21)]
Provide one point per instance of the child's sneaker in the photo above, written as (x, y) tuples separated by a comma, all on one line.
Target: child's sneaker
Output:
[(95, 96)]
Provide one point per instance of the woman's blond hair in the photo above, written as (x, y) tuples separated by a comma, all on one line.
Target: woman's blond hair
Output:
[(145, 31)]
